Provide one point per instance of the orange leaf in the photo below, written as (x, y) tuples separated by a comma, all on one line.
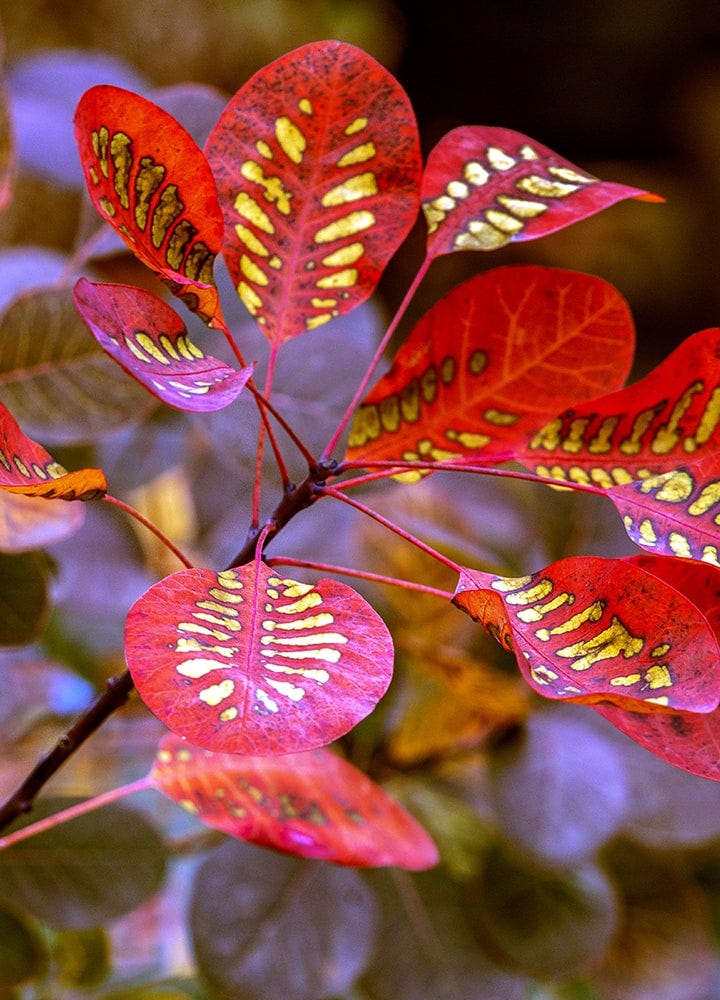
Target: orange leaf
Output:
[(492, 361), (148, 178), (25, 467)]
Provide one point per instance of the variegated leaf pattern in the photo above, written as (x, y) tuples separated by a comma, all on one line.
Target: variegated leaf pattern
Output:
[(484, 187), (27, 468), (686, 739), (313, 804), (491, 361), (676, 513), (246, 661), (149, 340), (318, 167), (148, 178), (592, 630), (661, 422)]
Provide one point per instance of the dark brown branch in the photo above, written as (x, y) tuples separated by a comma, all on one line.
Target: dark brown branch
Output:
[(116, 693)]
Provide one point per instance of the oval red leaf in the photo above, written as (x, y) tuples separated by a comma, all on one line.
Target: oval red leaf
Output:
[(594, 630), (491, 361), (317, 163), (245, 661), (148, 178), (149, 340), (313, 804), (484, 187), (26, 468)]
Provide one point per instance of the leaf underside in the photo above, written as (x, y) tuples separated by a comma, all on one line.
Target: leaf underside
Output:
[(317, 164), (244, 661), (312, 804), (149, 341)]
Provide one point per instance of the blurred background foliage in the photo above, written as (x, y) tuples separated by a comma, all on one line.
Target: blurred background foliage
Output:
[(575, 866)]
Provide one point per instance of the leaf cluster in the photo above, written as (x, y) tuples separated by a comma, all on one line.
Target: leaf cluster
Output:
[(516, 846)]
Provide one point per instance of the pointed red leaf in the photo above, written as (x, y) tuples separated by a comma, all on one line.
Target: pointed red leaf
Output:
[(247, 662), (647, 428), (318, 170), (484, 187), (600, 630), (26, 468), (149, 340), (687, 739), (491, 360), (313, 804), (675, 513), (148, 178)]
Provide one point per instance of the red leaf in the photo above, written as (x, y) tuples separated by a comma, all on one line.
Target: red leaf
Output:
[(647, 428), (675, 513), (491, 361), (25, 467), (148, 178), (595, 630), (148, 339), (484, 187), (318, 170), (313, 804), (246, 662), (687, 739)]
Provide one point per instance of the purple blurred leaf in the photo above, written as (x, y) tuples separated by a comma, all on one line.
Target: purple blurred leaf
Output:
[(45, 87)]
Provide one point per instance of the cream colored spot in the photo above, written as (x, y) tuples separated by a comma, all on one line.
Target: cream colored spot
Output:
[(217, 693), (543, 187), (626, 681), (344, 256), (658, 676), (252, 272), (504, 222), (292, 141), (499, 159), (286, 689), (348, 225), (251, 241), (339, 279), (476, 174), (566, 174), (360, 154), (356, 126), (199, 667), (249, 209), (351, 189), (522, 207)]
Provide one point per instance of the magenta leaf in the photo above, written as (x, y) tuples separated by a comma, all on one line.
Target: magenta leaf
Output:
[(149, 340)]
